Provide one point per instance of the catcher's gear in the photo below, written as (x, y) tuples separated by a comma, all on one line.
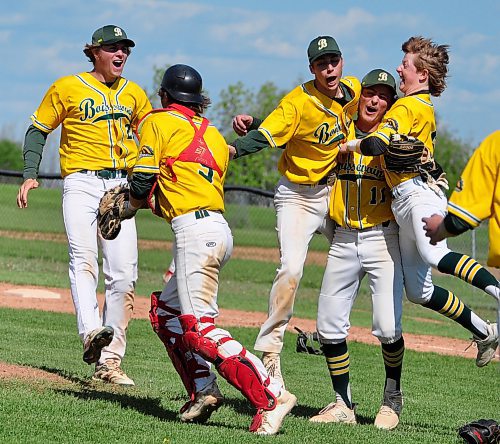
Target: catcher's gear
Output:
[(406, 154), (113, 208), (480, 431), (183, 83), (238, 370), (153, 199), (305, 342)]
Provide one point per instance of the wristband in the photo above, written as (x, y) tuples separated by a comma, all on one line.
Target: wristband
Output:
[(354, 145)]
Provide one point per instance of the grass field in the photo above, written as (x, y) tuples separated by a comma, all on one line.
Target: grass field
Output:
[(441, 393)]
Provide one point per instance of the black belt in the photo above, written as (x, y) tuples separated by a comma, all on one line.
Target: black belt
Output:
[(106, 174)]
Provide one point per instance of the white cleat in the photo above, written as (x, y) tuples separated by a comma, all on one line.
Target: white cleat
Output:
[(335, 412), (268, 422)]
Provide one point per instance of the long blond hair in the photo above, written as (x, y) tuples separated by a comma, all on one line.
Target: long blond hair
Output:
[(432, 57)]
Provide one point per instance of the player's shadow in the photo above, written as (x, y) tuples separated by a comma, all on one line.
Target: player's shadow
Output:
[(143, 404), (306, 412), (90, 390)]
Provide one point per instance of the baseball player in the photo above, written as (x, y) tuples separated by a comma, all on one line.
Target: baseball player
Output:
[(475, 199), (190, 157), (417, 194), (309, 122), (98, 111), (365, 243)]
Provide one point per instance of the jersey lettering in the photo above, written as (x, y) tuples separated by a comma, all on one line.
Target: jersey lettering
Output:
[(115, 111), (327, 136)]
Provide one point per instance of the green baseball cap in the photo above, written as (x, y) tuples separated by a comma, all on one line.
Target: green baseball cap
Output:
[(379, 77), (322, 45), (110, 34)]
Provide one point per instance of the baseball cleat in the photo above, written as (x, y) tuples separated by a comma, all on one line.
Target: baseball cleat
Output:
[(111, 373), (335, 412), (272, 363), (487, 347), (268, 422), (388, 416), (95, 341), (204, 404)]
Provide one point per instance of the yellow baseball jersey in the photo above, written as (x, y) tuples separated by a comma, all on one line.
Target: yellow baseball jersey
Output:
[(166, 134), (477, 195), (97, 121), (312, 126), (360, 195), (413, 116)]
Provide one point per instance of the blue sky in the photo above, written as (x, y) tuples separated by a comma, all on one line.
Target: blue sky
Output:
[(253, 42)]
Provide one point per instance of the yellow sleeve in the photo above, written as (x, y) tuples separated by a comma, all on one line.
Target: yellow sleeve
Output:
[(473, 198), (279, 127), (143, 107), (150, 148), (398, 119), (51, 111)]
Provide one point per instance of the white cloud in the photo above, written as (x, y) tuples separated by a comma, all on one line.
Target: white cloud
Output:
[(472, 40), (11, 19), (5, 36)]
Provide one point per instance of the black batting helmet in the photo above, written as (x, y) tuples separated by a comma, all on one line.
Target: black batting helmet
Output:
[(183, 83)]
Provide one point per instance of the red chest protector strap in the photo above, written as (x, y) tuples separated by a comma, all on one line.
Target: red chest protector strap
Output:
[(197, 151)]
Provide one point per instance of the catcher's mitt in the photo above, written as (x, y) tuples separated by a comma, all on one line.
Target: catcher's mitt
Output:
[(485, 431), (305, 342), (113, 208), (405, 154)]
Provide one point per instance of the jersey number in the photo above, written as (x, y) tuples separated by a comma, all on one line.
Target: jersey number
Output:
[(373, 196), (130, 132), (209, 174)]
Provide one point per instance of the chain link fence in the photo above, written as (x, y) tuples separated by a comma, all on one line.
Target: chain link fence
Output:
[(249, 211)]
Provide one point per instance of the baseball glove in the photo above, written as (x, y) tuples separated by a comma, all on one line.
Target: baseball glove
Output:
[(113, 208), (485, 431), (406, 154), (305, 342)]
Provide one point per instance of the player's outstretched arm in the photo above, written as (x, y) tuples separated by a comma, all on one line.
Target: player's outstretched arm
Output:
[(242, 123), (22, 195), (435, 229)]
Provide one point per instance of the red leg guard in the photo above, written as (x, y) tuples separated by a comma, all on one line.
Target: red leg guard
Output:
[(237, 370), (195, 341), (242, 374), (186, 365)]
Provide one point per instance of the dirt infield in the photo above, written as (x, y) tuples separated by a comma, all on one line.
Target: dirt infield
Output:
[(59, 300)]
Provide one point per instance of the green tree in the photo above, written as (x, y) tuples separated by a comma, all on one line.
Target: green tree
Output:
[(158, 72), (11, 155), (452, 154), (258, 170)]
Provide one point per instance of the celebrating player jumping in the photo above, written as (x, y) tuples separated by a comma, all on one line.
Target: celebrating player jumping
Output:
[(98, 111), (415, 179)]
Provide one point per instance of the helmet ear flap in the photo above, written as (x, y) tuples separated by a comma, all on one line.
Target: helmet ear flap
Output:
[(183, 83)]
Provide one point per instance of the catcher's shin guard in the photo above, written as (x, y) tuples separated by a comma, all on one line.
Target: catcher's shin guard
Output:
[(187, 366), (238, 370)]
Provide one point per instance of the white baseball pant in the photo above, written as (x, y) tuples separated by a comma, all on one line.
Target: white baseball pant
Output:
[(203, 244), (301, 211), (373, 252), (413, 200), (81, 196)]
